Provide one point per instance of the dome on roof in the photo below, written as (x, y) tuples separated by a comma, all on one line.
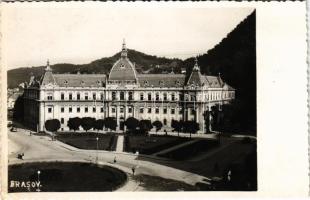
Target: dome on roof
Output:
[(123, 69)]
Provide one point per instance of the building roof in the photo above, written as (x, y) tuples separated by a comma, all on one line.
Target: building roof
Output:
[(47, 78), (213, 81), (195, 78), (161, 80), (123, 70), (80, 80)]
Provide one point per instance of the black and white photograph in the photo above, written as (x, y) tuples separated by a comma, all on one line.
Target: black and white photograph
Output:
[(131, 99)]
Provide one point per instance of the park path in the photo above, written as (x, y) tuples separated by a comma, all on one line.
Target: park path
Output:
[(120, 144), (175, 147)]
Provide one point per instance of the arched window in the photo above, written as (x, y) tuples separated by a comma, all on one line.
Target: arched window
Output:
[(157, 96), (165, 96), (172, 97), (113, 95), (130, 96), (149, 96), (86, 96), (141, 96)]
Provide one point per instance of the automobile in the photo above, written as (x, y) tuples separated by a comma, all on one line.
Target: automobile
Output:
[(13, 129)]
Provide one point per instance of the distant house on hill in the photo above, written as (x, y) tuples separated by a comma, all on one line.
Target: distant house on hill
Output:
[(11, 99)]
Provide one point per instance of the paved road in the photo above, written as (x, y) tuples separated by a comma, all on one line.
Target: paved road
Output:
[(120, 144), (42, 148)]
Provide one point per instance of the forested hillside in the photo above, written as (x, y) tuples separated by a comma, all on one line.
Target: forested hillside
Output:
[(143, 63)]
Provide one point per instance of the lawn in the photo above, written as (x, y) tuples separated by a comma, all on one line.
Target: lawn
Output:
[(155, 183), (88, 140), (65, 177), (189, 151), (151, 144)]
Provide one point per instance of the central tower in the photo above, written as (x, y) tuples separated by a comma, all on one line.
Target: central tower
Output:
[(123, 71)]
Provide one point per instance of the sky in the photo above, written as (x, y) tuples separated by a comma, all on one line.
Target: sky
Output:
[(69, 34)]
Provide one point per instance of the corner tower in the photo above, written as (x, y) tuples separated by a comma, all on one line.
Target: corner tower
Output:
[(195, 78), (48, 77)]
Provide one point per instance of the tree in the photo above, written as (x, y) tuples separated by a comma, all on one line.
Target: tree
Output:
[(110, 122), (145, 126), (52, 125), (190, 127), (74, 123), (87, 123), (131, 123), (158, 125), (193, 128), (177, 126), (99, 124), (186, 126)]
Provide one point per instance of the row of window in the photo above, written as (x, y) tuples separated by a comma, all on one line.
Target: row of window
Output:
[(164, 110), (62, 121), (122, 109), (149, 110), (78, 96), (157, 97), (78, 109), (149, 96)]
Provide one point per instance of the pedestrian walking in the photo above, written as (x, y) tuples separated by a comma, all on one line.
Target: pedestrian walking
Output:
[(20, 156), (133, 170), (114, 159)]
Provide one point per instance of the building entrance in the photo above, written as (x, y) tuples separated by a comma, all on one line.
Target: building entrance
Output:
[(121, 123)]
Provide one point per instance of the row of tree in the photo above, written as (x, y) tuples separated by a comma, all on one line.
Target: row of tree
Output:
[(190, 127), (88, 123), (133, 125)]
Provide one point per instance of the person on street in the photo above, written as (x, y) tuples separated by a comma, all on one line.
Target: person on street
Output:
[(133, 170)]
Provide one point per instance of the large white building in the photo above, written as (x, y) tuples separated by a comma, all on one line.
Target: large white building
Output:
[(122, 94)]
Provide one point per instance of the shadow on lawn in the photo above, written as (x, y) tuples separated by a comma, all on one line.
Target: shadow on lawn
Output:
[(237, 160)]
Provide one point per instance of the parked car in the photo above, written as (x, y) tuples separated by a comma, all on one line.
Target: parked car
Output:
[(13, 129)]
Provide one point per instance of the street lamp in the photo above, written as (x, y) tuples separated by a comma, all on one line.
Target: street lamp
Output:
[(38, 189), (97, 150)]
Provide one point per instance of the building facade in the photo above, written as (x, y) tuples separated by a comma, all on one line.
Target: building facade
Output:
[(124, 93)]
